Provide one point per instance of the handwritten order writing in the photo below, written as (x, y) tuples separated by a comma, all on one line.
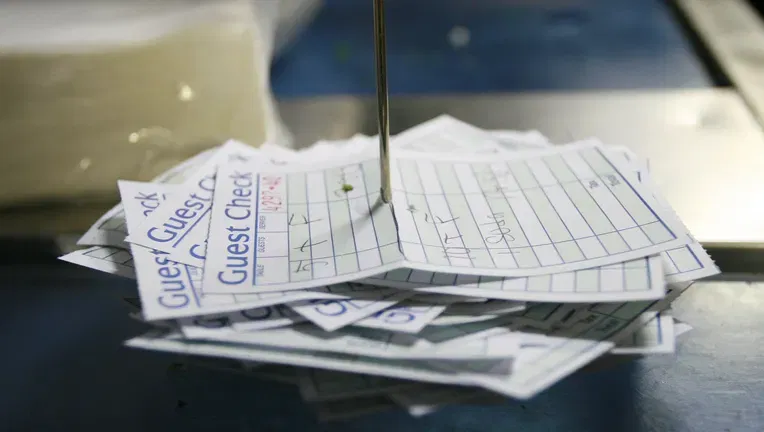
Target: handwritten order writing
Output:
[(270, 197), (499, 233), (238, 211), (182, 218)]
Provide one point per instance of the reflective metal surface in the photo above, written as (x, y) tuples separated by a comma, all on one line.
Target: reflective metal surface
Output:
[(733, 31), (706, 151)]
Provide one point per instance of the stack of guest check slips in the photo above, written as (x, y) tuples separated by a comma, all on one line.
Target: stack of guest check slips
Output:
[(503, 264)]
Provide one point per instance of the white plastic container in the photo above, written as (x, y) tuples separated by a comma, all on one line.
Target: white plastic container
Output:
[(95, 91)]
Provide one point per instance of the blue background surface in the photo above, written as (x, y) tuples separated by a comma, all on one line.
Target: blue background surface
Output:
[(592, 44)]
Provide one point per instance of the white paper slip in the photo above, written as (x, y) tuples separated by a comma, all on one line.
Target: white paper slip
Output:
[(264, 318), (641, 279), (552, 211), (521, 140), (450, 320), (401, 369), (555, 211), (406, 318), (111, 229), (367, 343), (610, 321), (682, 264), (541, 315), (458, 334), (367, 300), (618, 282), (538, 368), (688, 263), (655, 336), (172, 229), (681, 328), (446, 134), (490, 307), (327, 150), (168, 341), (549, 359), (110, 260), (318, 385), (303, 228), (172, 290)]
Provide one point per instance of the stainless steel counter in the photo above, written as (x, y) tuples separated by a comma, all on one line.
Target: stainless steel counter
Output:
[(706, 151)]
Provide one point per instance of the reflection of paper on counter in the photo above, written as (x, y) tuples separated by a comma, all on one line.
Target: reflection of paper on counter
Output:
[(655, 336)]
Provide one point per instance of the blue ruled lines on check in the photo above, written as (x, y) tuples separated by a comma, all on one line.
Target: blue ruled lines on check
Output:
[(552, 211)]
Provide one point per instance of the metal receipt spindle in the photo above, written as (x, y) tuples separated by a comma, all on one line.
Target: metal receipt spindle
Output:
[(383, 111)]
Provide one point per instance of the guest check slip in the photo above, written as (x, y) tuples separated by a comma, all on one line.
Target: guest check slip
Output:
[(502, 264), (277, 230)]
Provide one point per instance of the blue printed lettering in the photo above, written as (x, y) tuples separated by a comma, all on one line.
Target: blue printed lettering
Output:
[(238, 249), (239, 208), (198, 251), (174, 290), (182, 218), (237, 260)]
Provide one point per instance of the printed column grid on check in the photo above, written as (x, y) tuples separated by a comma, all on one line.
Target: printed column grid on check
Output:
[(115, 223), (681, 260), (271, 262), (631, 276), (328, 224), (635, 221), (505, 191), (420, 217), (541, 212), (447, 223), (115, 255)]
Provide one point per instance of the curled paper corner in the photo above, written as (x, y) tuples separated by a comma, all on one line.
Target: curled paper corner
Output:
[(681, 327)]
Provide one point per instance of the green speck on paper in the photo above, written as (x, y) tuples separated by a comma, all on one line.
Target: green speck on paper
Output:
[(347, 188)]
